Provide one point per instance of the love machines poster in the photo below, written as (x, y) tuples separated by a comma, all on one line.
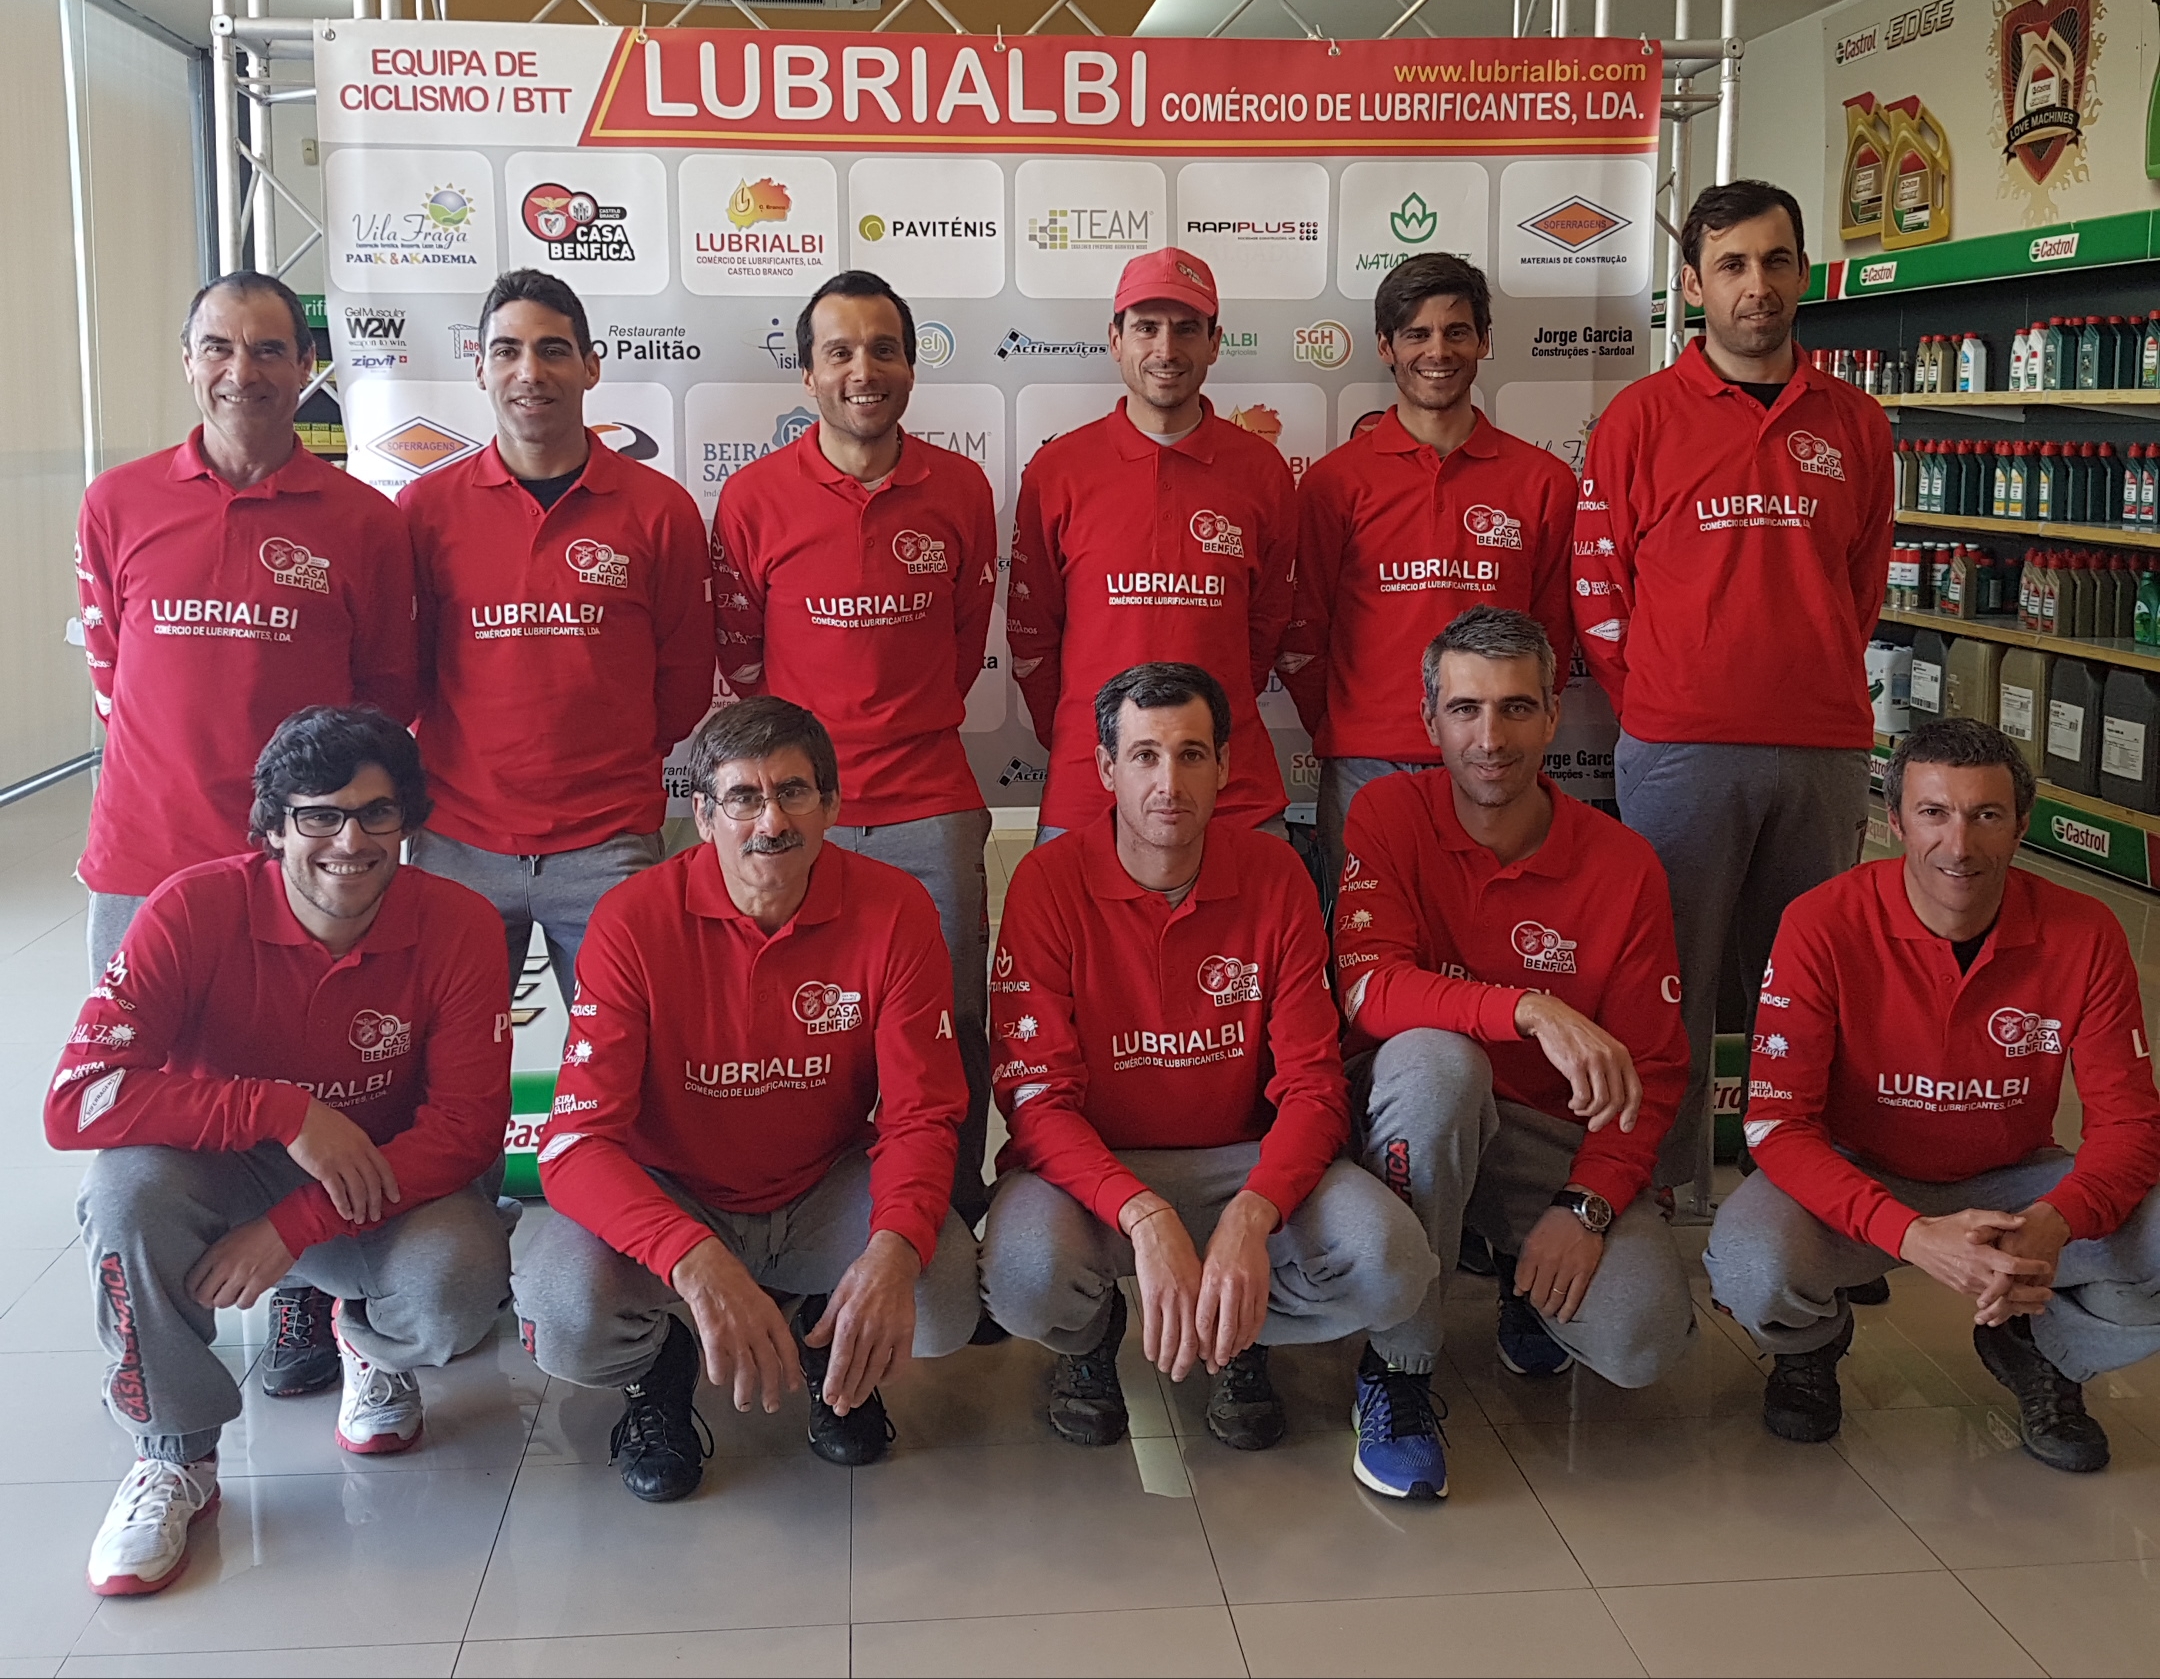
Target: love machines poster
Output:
[(696, 186)]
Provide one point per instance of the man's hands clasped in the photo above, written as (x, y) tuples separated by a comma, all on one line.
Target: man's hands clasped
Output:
[(1195, 1311), (2003, 1262)]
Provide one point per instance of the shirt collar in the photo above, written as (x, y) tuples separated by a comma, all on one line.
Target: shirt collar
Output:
[(1694, 367), (913, 467), (1390, 436), (603, 472), (2016, 923), (705, 890), (1106, 876), (302, 473), (271, 920), (1136, 445), (1554, 858)]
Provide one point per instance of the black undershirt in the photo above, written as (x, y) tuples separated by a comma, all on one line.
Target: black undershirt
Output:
[(1767, 395), (548, 491), (1967, 951)]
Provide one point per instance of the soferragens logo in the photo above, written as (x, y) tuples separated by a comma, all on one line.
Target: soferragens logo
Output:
[(1574, 224)]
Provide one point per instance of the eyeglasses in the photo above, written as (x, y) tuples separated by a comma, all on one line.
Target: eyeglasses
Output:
[(747, 804), (384, 816)]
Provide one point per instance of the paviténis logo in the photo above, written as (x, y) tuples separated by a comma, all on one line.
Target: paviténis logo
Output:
[(875, 228)]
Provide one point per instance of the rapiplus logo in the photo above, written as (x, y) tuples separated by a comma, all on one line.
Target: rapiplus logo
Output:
[(575, 226), (1092, 228), (1018, 343), (1295, 232), (876, 229)]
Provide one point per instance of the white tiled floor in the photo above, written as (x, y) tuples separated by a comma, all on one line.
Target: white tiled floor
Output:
[(1590, 1530)]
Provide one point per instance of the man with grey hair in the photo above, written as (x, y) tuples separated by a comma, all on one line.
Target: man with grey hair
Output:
[(1504, 957), (761, 1095)]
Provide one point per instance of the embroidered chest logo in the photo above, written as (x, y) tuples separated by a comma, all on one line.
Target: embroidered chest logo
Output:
[(1352, 873), (1543, 950), (1229, 981), (1816, 455), (380, 1037), (2021, 1032), (597, 563), (1492, 528), (827, 1008), (292, 565), (1217, 535), (919, 553)]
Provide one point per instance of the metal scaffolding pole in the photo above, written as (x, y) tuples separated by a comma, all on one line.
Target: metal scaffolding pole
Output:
[(225, 137)]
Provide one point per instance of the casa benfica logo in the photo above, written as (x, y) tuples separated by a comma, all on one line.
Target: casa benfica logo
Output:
[(827, 1008), (919, 553), (2021, 1032), (1227, 980), (380, 1037), (576, 226), (597, 563), (2043, 53), (1542, 949), (291, 564)]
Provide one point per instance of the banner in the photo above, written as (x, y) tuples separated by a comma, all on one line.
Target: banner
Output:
[(695, 186)]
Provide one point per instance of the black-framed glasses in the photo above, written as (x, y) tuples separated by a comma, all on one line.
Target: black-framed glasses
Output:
[(384, 816), (747, 804)]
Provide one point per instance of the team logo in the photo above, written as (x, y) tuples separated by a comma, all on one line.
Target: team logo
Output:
[(1230, 981), (292, 565), (1816, 455), (1491, 528), (1217, 535), (827, 1008), (1542, 949), (577, 227), (919, 553), (380, 1037), (2021, 1032), (597, 563), (1093, 228), (1574, 224)]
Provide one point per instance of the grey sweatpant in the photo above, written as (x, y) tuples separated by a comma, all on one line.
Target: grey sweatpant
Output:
[(1742, 831), (415, 1291), (1351, 1258), (1425, 1117), (111, 913), (945, 853), (556, 891), (597, 1317), (1778, 1269)]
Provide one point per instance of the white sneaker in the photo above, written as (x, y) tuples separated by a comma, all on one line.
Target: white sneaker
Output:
[(142, 1545), (380, 1411)]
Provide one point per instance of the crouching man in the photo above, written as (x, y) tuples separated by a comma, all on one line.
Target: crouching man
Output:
[(761, 1095), (1511, 950), (297, 1061), (1909, 1056), (1175, 1093)]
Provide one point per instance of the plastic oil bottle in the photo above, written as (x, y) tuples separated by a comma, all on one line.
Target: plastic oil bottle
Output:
[(2022, 710), (1972, 372), (1972, 679), (1928, 657), (2072, 756), (2130, 741)]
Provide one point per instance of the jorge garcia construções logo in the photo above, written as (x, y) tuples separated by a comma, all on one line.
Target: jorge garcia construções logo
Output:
[(295, 567), (576, 226), (827, 1008)]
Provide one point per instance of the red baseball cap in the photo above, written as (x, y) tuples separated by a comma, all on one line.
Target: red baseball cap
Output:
[(1170, 273)]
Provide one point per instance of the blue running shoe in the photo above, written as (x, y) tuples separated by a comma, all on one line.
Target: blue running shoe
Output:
[(1400, 1448), (1526, 1347)]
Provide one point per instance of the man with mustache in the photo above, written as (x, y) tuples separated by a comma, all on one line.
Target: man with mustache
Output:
[(856, 568), (1505, 953), (1433, 510), (1175, 1093), (1732, 546), (760, 1096), (1160, 531)]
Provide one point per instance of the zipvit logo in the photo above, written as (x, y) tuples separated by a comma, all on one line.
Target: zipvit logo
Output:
[(1229, 981), (380, 1037), (1093, 228), (1816, 455), (1575, 224), (1018, 343), (1324, 344), (577, 227), (827, 1008), (1489, 527), (2021, 1032), (292, 565), (919, 553), (1216, 535), (1542, 949), (598, 564)]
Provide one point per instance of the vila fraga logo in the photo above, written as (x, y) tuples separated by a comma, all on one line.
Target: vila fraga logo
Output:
[(919, 553), (1490, 527), (293, 566), (1228, 981), (380, 1037), (827, 1008), (1816, 455), (1542, 949), (435, 235), (2022, 1032), (575, 226), (598, 564)]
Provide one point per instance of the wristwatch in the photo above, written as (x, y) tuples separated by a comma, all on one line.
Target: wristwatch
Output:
[(1594, 1210)]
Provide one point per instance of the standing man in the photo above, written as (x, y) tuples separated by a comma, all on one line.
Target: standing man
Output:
[(225, 584), (1731, 551), (855, 571), (1159, 532), (1433, 510), (566, 621)]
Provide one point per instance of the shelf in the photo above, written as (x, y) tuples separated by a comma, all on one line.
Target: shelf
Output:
[(2009, 407), (2113, 536), (2100, 807), (2113, 651)]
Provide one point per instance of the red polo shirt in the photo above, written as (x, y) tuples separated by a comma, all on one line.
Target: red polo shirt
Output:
[(1869, 1043), (871, 607), (1126, 550), (743, 1065), (1393, 542), (1730, 560), (1430, 930), (1121, 1023), (570, 649), (211, 615), (221, 1015)]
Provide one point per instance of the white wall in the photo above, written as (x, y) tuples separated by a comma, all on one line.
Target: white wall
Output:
[(1783, 132)]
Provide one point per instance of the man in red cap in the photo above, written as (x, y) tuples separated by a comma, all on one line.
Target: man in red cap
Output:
[(1159, 532)]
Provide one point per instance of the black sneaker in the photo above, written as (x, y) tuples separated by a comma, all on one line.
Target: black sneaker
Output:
[(1801, 1401), (2052, 1420), (1242, 1410), (303, 1355), (1474, 1254), (1876, 1293), (1087, 1406), (862, 1435), (662, 1441)]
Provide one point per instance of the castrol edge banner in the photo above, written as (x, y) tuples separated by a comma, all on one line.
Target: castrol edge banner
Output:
[(696, 185)]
